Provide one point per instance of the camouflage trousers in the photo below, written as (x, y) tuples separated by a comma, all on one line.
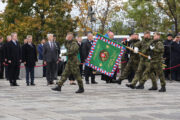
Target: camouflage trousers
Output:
[(155, 67), (71, 69), (131, 66), (142, 67)]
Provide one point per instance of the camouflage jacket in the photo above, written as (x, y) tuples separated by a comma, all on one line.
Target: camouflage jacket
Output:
[(144, 48), (158, 51), (72, 51), (133, 56)]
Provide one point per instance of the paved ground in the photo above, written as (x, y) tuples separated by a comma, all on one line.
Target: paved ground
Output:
[(99, 102)]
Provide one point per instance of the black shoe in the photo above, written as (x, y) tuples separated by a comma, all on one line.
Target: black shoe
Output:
[(163, 89), (94, 82), (140, 86), (130, 86), (80, 90), (15, 84), (57, 88), (11, 84), (153, 88), (32, 84), (87, 82)]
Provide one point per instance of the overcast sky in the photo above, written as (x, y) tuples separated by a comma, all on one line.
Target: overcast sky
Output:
[(2, 6)]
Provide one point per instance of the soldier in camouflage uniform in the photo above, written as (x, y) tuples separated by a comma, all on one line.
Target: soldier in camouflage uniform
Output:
[(72, 65), (144, 62), (125, 58), (133, 62), (156, 56)]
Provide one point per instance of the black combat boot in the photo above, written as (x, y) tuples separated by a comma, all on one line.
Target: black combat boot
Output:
[(140, 86), (153, 88), (163, 89), (117, 81), (57, 88), (80, 90), (130, 86)]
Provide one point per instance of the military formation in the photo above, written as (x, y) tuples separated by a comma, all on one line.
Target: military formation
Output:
[(145, 67)]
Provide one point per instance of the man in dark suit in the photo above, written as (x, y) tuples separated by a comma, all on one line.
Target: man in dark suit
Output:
[(58, 47), (50, 57), (86, 49), (1, 58), (167, 55), (5, 56), (14, 59), (40, 51), (29, 58)]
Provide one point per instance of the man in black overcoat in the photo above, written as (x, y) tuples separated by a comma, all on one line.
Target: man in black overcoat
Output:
[(14, 59)]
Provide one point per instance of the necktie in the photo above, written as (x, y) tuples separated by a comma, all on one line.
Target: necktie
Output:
[(52, 45), (15, 43)]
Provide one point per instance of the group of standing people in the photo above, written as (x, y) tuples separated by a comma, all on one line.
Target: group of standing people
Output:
[(141, 68), (171, 56), (12, 54)]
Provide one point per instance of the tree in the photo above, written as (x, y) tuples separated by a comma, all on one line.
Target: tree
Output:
[(103, 11), (83, 21), (171, 8), (119, 29), (154, 15), (38, 18), (143, 13)]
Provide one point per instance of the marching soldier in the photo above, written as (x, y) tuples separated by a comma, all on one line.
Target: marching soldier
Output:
[(156, 58), (72, 65), (144, 62), (133, 59)]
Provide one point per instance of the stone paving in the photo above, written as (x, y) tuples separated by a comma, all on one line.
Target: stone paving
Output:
[(99, 102)]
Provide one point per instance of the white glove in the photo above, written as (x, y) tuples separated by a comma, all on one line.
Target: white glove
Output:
[(136, 50), (129, 55), (152, 47), (149, 57)]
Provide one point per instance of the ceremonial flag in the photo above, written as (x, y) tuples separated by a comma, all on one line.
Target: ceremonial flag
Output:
[(105, 55)]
